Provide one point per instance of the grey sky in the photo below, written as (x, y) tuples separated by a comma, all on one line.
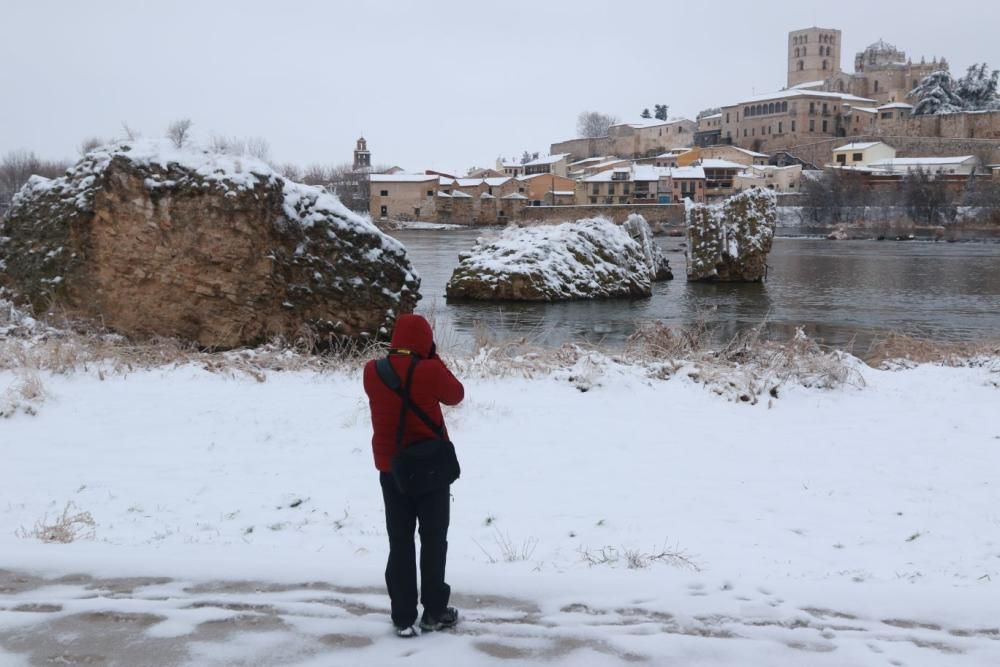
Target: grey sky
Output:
[(442, 85)]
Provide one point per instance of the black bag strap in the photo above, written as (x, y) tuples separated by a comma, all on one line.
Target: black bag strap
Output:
[(391, 379)]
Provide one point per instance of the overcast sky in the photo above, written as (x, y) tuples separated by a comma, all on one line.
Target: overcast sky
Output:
[(432, 84)]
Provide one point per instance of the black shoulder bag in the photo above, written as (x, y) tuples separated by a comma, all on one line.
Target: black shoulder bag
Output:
[(422, 466)]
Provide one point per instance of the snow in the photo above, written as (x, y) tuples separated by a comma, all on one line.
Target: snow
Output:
[(403, 178), (458, 194), (791, 92), (514, 195), (920, 161), (854, 526), (858, 146), (896, 105), (808, 84), (548, 159), (714, 163), (303, 204)]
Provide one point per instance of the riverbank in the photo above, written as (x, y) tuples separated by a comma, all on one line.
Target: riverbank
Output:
[(212, 509)]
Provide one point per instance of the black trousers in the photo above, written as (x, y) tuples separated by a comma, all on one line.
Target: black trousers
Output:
[(402, 514)]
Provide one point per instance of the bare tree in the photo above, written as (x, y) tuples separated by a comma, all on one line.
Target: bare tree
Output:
[(130, 133), (259, 148), (179, 131), (17, 167), (89, 144), (593, 124), (290, 171)]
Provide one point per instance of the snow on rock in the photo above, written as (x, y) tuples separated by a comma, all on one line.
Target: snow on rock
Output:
[(587, 259), (729, 242), (217, 249)]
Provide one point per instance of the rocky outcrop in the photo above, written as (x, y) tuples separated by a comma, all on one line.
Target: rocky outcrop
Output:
[(729, 242), (211, 248), (588, 259)]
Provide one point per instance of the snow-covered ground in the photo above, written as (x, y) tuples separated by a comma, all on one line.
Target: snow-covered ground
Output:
[(240, 522)]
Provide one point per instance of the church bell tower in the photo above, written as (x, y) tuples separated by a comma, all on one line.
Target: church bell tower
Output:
[(362, 158)]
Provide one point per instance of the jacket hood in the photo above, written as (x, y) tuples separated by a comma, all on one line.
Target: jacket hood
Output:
[(413, 333)]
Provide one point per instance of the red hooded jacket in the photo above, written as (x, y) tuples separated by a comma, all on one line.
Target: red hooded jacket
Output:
[(433, 384)]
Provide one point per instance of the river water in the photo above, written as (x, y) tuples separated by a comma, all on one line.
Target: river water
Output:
[(843, 293)]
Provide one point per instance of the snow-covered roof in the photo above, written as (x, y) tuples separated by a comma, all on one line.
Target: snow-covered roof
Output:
[(808, 84), (687, 172), (714, 163), (644, 172), (714, 115), (563, 193), (749, 152), (495, 181), (646, 124), (590, 160), (486, 195), (444, 180), (548, 159), (859, 146), (403, 178), (865, 109), (442, 193), (468, 182), (458, 194), (896, 105), (792, 92), (514, 195), (919, 161), (674, 153)]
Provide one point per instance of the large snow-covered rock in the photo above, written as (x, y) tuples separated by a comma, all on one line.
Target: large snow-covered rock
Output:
[(729, 242), (216, 249), (588, 259)]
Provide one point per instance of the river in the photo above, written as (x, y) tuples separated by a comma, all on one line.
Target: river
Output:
[(843, 293)]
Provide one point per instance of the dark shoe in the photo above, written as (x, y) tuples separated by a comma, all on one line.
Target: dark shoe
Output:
[(406, 631), (447, 619)]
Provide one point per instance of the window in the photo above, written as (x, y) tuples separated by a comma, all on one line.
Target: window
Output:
[(416, 212), (856, 157), (779, 127), (430, 193), (812, 125), (623, 200), (593, 200), (824, 125), (625, 189), (490, 189), (824, 64), (753, 131), (770, 107), (812, 107), (784, 107), (744, 131), (384, 211), (793, 126), (802, 65), (595, 189), (383, 193), (842, 158), (876, 86), (886, 115), (611, 188), (727, 113)]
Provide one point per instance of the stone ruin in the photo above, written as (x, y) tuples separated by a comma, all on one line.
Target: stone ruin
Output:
[(587, 259), (149, 240), (729, 242)]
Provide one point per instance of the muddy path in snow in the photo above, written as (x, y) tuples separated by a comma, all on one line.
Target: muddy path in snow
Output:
[(81, 620)]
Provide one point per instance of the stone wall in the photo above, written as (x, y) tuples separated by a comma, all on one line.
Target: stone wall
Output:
[(821, 152), (669, 214)]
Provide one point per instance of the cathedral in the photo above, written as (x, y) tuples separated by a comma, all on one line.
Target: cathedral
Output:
[(881, 72)]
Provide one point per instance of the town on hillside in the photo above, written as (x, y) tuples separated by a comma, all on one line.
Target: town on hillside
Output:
[(889, 119)]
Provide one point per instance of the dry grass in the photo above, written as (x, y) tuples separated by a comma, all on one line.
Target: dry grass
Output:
[(746, 368), (636, 559), (900, 348), (68, 527)]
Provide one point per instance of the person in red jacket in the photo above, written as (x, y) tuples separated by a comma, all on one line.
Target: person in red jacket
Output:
[(433, 384)]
